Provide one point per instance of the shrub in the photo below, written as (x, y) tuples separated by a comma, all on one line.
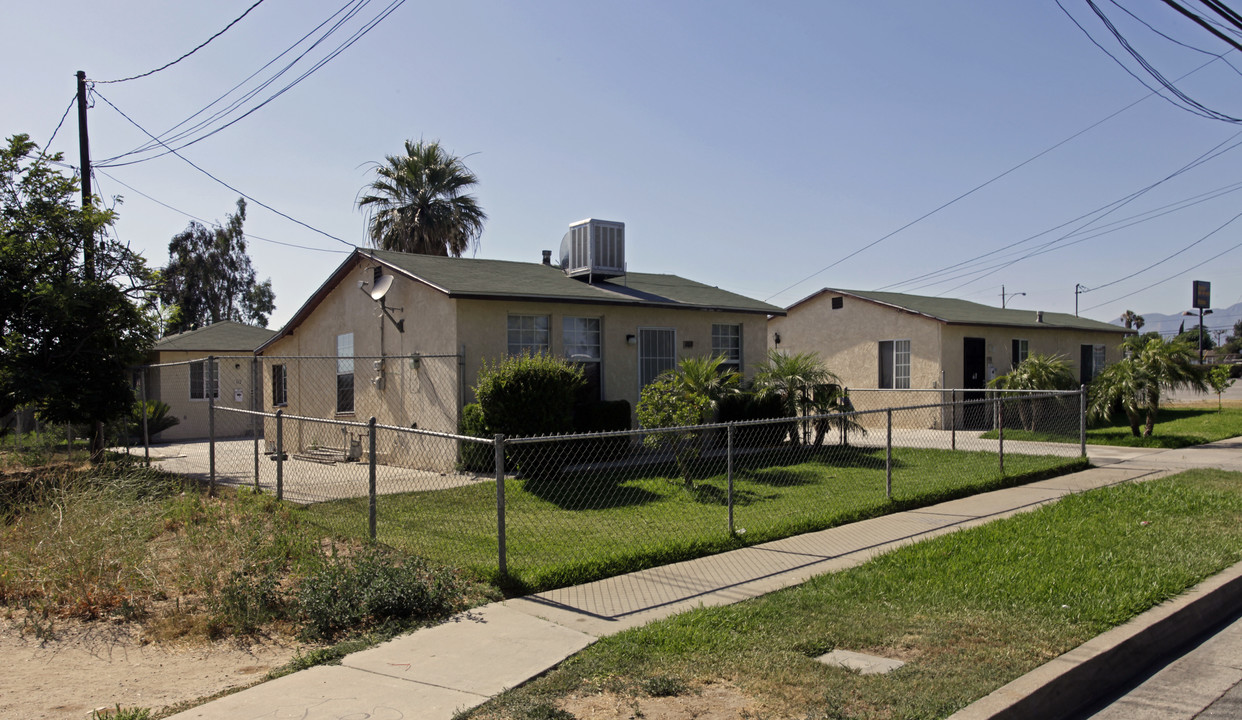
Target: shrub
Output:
[(665, 404), (754, 406), (530, 395), (370, 590), (475, 457), (158, 419)]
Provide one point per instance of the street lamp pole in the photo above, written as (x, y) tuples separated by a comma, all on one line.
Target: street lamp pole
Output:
[(1005, 296)]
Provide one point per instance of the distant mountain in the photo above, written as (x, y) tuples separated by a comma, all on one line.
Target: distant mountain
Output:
[(1220, 319)]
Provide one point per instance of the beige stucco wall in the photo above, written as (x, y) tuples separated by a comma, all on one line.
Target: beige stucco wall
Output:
[(171, 384), (848, 339), (482, 326)]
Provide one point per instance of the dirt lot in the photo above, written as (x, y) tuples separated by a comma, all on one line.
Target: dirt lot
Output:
[(101, 664)]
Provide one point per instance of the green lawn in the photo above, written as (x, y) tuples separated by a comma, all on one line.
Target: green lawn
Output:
[(968, 611), (1177, 426), (586, 526)]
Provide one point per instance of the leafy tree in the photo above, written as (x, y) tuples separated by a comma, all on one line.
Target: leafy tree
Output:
[(1234, 343), (1218, 377), (666, 403), (1037, 372), (209, 277), (1191, 338), (1136, 383), (418, 203), (67, 338), (1132, 320)]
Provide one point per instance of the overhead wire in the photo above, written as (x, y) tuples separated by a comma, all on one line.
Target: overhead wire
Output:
[(221, 182), (168, 142), (214, 223), (69, 107), (188, 54)]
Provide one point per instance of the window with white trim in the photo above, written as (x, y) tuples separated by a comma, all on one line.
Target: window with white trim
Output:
[(895, 364), (345, 373), (580, 337), (1021, 350), (204, 384), (727, 343), (529, 334), (280, 386)]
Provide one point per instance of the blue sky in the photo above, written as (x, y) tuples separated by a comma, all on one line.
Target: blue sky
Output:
[(744, 145)]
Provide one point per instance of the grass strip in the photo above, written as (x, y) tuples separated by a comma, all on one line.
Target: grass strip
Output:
[(1177, 426), (968, 612), (587, 526)]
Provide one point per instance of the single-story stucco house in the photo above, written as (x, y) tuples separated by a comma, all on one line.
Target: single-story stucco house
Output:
[(182, 379), (402, 337), (897, 341)]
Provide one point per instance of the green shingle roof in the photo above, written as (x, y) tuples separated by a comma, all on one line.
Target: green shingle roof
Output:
[(227, 336), (499, 279), (963, 312)]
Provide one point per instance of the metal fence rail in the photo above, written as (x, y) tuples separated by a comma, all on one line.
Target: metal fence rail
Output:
[(552, 510)]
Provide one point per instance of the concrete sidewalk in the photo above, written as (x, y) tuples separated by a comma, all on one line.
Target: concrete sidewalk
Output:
[(433, 673)]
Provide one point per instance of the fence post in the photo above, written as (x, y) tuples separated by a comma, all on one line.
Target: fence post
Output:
[(729, 470), (953, 415), (1000, 432), (211, 425), (254, 419), (888, 455), (1082, 420), (280, 454), (371, 485), (146, 435), (500, 505), (68, 441)]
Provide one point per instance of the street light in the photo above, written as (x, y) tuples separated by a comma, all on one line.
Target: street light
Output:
[(1202, 312), (1005, 296)]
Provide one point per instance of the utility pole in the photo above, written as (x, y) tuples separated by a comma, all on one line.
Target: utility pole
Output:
[(84, 154), (1005, 296), (1079, 289)]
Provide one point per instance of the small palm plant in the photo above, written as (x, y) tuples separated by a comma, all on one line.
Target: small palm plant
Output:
[(1037, 372), (1136, 383), (805, 387)]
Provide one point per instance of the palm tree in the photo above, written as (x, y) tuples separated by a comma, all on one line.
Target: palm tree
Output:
[(1133, 320), (417, 203), (1037, 372), (804, 386), (1135, 383), (704, 376)]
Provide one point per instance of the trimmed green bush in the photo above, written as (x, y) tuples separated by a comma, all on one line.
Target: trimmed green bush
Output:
[(475, 457), (530, 395)]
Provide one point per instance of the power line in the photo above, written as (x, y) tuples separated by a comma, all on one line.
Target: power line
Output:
[(183, 57), (214, 223), (230, 187), (357, 35), (72, 101)]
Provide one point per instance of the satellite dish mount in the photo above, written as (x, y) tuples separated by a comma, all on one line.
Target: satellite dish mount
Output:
[(382, 285)]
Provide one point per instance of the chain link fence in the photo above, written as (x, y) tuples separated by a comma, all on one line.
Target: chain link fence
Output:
[(543, 512)]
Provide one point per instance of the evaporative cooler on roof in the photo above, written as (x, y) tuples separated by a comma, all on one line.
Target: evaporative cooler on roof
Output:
[(594, 249)]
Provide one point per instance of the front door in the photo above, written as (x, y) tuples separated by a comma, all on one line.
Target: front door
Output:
[(974, 375)]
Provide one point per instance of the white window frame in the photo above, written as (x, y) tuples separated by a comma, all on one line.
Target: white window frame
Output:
[(524, 336), (1099, 356), (280, 385), (208, 384), (576, 335), (345, 366), (723, 345), (665, 362), (901, 355), (1024, 350)]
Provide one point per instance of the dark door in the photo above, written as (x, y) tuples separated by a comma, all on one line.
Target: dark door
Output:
[(974, 375), (1086, 363)]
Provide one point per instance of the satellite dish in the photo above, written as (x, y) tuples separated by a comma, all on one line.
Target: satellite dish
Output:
[(382, 285)]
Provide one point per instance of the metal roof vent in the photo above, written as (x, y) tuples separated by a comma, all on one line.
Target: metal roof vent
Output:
[(594, 249)]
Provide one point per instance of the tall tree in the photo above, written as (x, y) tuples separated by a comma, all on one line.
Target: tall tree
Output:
[(210, 279), (1133, 320), (66, 341), (418, 203)]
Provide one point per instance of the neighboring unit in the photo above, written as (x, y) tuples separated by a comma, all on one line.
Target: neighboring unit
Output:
[(402, 337), (184, 380), (898, 341)]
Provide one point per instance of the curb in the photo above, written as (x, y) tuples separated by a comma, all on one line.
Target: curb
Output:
[(1106, 663)]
